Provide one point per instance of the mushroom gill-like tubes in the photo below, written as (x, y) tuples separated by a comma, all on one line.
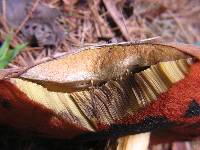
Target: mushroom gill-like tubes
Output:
[(131, 101), (22, 113)]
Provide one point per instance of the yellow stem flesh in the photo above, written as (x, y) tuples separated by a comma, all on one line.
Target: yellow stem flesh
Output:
[(113, 100)]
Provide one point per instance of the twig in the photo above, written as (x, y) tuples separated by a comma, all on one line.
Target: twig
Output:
[(117, 17), (6, 73), (4, 19), (53, 2), (103, 27), (181, 27), (27, 17), (3, 24), (125, 26)]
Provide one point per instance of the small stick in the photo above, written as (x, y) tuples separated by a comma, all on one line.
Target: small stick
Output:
[(27, 17), (117, 17), (4, 19)]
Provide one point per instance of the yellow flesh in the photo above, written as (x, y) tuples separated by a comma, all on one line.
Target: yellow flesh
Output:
[(114, 100)]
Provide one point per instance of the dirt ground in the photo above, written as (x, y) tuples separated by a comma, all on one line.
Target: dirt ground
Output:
[(88, 22)]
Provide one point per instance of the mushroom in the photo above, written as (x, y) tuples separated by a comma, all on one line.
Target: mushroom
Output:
[(109, 90)]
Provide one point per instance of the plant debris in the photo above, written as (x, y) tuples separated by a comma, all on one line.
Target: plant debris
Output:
[(40, 29)]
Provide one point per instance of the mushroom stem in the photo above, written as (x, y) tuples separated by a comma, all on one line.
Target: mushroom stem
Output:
[(134, 142)]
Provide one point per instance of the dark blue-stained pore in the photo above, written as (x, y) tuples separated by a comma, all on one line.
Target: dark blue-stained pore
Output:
[(193, 109)]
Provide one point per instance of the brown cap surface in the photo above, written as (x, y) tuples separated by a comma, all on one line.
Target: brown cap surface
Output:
[(103, 63)]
